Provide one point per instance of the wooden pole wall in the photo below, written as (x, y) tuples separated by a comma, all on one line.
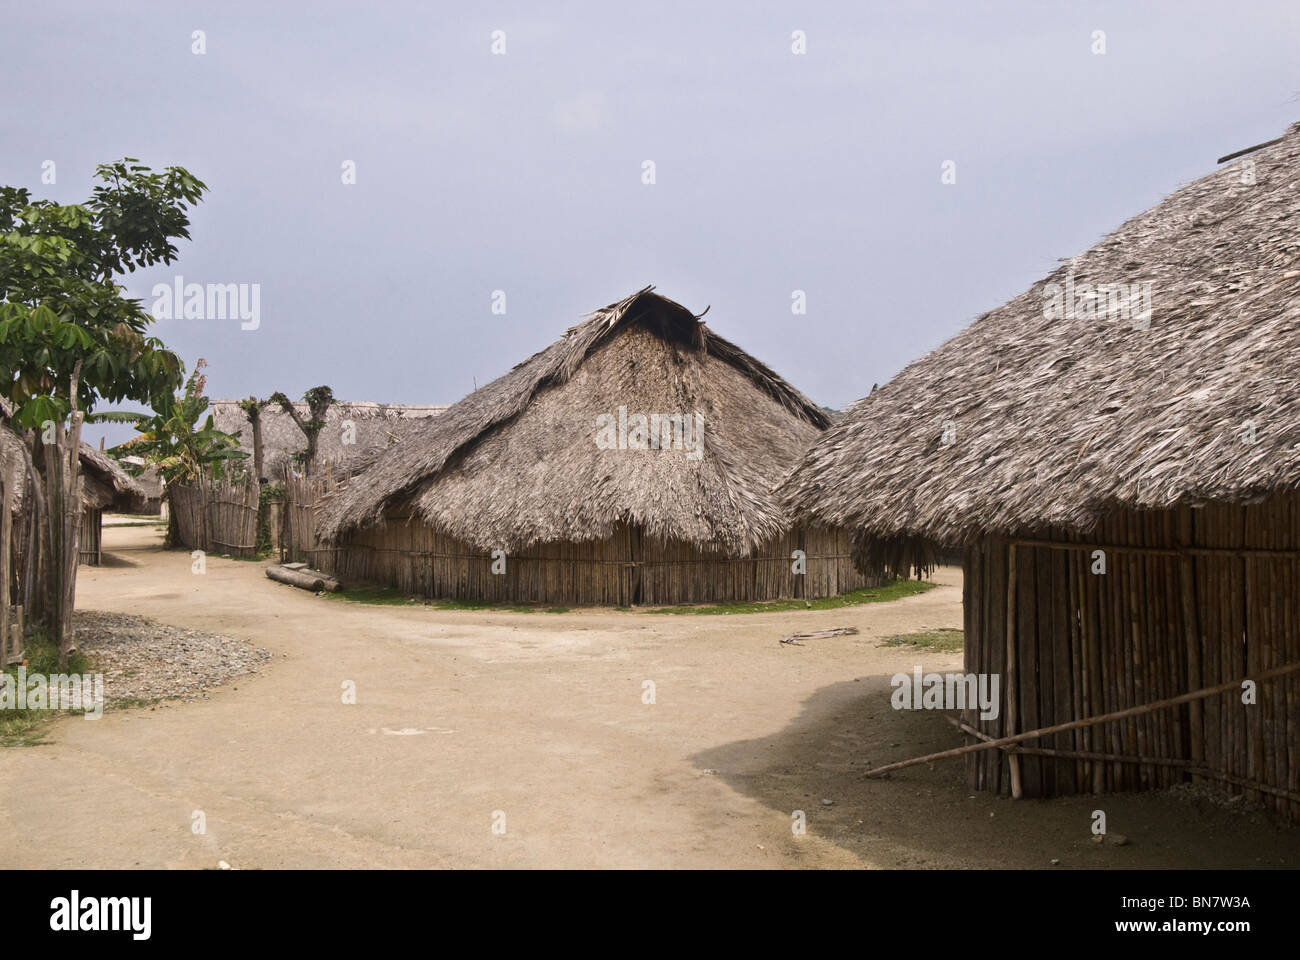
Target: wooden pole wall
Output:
[(1190, 598)]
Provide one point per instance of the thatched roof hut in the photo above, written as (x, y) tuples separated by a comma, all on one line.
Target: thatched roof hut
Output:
[(354, 432), (105, 486), (1118, 450), (1060, 420), (551, 464)]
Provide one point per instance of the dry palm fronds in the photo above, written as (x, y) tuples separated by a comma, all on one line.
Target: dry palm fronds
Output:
[(1024, 421), (516, 463)]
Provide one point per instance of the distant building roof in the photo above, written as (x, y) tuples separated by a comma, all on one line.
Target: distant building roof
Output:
[(371, 428)]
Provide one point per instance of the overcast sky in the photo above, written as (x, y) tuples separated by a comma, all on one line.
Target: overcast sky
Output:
[(522, 172)]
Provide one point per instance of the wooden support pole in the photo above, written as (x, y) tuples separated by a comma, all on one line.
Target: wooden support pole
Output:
[(1087, 721), (1187, 588), (1013, 675)]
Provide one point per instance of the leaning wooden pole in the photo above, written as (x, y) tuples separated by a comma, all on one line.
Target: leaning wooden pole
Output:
[(1088, 721)]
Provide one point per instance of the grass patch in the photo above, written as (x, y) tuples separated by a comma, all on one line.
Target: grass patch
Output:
[(940, 641), (24, 728), (894, 590), (260, 557), (380, 596), (390, 597)]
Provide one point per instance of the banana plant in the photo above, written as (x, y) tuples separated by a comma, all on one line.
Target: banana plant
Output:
[(177, 437)]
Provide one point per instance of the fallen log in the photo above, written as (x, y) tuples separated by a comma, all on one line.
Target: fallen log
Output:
[(303, 579)]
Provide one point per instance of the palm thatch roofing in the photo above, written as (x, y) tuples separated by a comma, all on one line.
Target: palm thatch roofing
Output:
[(374, 426), (105, 484), (1031, 419), (149, 479), (517, 462)]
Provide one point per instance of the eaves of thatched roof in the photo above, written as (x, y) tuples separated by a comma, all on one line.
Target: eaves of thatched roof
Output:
[(353, 433), (104, 483), (1044, 413), (517, 461)]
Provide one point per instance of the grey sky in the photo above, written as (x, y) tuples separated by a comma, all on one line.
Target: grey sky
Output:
[(522, 172)]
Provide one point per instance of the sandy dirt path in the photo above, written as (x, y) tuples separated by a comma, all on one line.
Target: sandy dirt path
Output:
[(464, 716)]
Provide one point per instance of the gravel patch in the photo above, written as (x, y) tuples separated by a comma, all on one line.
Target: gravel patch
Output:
[(146, 660)]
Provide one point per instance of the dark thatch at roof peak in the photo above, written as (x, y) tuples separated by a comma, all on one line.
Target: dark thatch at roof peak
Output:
[(516, 462), (372, 427), (1056, 414)]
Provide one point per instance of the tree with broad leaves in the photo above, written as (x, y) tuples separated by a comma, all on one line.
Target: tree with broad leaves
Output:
[(70, 338), (179, 439)]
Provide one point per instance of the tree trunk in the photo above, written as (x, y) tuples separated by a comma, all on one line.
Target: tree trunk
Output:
[(255, 419), (63, 500)]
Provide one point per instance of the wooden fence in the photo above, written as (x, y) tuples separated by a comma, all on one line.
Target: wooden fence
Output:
[(298, 542), (217, 516), (628, 568)]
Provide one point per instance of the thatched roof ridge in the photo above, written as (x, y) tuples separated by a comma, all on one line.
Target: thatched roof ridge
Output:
[(1056, 421), (457, 473), (374, 427)]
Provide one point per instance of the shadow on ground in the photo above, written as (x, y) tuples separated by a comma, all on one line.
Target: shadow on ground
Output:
[(117, 560), (927, 817)]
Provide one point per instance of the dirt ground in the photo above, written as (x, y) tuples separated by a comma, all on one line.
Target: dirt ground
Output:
[(466, 719)]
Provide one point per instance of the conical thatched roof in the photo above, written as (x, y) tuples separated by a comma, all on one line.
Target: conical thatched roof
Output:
[(517, 462), (1056, 420), (374, 426)]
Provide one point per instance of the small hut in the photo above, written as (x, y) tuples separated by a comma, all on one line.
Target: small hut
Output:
[(151, 482), (1117, 452), (631, 462), (105, 486), (353, 434)]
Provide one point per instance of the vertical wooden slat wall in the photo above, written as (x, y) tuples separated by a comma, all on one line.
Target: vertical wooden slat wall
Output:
[(219, 517), (90, 551), (1153, 626), (626, 569)]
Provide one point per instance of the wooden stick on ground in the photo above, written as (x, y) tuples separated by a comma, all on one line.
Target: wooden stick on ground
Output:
[(1087, 721), (1187, 765), (794, 638)]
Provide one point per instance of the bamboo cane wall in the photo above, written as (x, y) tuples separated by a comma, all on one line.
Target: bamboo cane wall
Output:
[(1155, 625), (217, 516), (626, 569), (90, 549)]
